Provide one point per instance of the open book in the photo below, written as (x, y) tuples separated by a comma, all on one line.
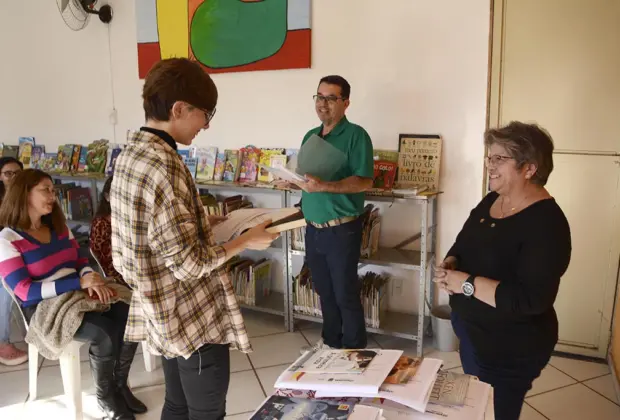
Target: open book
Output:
[(364, 383), (414, 393), (239, 221)]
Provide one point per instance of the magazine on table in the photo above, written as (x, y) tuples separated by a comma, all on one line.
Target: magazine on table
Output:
[(475, 407), (450, 388), (415, 393), (336, 361), (367, 381), (291, 408)]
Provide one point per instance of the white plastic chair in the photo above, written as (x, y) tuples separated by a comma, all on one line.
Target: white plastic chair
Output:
[(69, 369), (150, 360)]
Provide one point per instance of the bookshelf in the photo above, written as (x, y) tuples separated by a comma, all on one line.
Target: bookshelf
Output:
[(396, 324)]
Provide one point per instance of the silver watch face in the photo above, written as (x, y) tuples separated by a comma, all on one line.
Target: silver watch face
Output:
[(468, 289)]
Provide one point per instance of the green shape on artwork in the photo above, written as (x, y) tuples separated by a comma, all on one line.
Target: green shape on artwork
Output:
[(229, 33)]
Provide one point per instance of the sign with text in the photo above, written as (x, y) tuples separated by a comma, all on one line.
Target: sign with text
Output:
[(418, 160)]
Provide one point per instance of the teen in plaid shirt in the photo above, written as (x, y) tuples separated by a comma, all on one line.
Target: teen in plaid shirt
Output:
[(183, 303)]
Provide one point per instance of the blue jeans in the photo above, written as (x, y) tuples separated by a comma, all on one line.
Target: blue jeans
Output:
[(332, 255), (511, 377), (6, 304)]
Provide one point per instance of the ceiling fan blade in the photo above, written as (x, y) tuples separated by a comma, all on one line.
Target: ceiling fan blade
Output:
[(63, 5)]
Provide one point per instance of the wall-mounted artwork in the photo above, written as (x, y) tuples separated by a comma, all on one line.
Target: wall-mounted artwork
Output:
[(225, 35)]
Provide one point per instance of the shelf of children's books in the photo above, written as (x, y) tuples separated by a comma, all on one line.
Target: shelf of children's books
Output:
[(394, 324), (390, 196), (272, 304), (238, 186), (69, 176), (390, 257)]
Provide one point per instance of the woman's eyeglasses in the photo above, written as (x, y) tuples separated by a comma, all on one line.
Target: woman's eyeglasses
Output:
[(209, 115), (10, 174), (496, 160)]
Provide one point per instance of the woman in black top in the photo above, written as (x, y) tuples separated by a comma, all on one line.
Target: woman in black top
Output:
[(503, 272)]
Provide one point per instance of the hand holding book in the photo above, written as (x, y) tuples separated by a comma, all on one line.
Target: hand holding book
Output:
[(258, 238)]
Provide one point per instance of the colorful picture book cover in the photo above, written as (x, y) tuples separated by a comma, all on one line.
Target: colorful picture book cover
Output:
[(220, 163), (192, 164), (231, 167), (207, 157), (25, 150), (385, 174), (265, 159), (250, 156)]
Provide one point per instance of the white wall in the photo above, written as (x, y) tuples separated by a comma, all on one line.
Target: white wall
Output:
[(415, 66), (54, 83)]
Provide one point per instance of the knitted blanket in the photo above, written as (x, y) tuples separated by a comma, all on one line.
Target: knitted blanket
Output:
[(56, 320)]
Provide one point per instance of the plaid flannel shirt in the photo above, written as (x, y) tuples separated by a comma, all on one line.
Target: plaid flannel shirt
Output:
[(163, 247)]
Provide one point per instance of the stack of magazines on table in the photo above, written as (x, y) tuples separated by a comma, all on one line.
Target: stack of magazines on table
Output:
[(373, 384)]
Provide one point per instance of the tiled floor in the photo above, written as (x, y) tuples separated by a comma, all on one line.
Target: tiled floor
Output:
[(568, 389)]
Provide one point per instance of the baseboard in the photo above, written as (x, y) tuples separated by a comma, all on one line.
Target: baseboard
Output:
[(614, 375), (580, 357)]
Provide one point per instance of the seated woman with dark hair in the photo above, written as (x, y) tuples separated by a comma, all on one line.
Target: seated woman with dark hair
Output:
[(503, 272), (9, 354), (101, 247), (39, 261)]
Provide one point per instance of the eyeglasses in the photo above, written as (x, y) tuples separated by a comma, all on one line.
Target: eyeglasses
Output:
[(209, 115), (331, 99), (10, 174), (496, 160)]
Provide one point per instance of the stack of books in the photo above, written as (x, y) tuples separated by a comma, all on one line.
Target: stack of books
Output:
[(396, 385)]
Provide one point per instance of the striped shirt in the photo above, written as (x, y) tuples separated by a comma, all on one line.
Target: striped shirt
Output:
[(36, 270), (163, 246)]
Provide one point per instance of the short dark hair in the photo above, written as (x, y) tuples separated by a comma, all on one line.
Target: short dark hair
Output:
[(177, 79), (14, 209), (345, 87), (104, 208), (527, 144)]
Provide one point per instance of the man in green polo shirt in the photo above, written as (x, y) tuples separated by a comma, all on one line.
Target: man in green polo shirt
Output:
[(332, 208)]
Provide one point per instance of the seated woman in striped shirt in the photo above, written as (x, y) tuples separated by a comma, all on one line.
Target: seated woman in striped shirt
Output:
[(39, 260)]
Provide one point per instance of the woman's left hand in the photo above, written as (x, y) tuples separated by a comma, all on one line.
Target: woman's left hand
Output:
[(103, 293), (450, 280)]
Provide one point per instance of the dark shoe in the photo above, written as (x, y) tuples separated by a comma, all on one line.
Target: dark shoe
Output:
[(108, 399), (121, 373)]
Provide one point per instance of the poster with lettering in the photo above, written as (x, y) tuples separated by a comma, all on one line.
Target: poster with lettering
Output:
[(419, 158)]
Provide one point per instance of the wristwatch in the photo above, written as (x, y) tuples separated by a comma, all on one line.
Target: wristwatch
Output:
[(468, 287)]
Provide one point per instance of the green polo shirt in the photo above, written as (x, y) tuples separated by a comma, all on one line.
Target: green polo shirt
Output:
[(355, 143)]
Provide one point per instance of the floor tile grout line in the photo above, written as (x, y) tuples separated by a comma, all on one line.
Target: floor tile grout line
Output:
[(268, 335), (596, 377), (551, 390), (257, 378), (595, 391), (569, 375), (305, 338), (534, 408)]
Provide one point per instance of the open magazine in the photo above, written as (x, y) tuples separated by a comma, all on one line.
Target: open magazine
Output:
[(336, 361), (450, 388), (292, 408), (239, 221), (415, 393), (366, 382), (475, 407)]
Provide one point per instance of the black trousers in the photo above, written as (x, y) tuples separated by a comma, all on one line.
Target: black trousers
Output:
[(511, 378), (103, 330), (333, 255), (196, 388)]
